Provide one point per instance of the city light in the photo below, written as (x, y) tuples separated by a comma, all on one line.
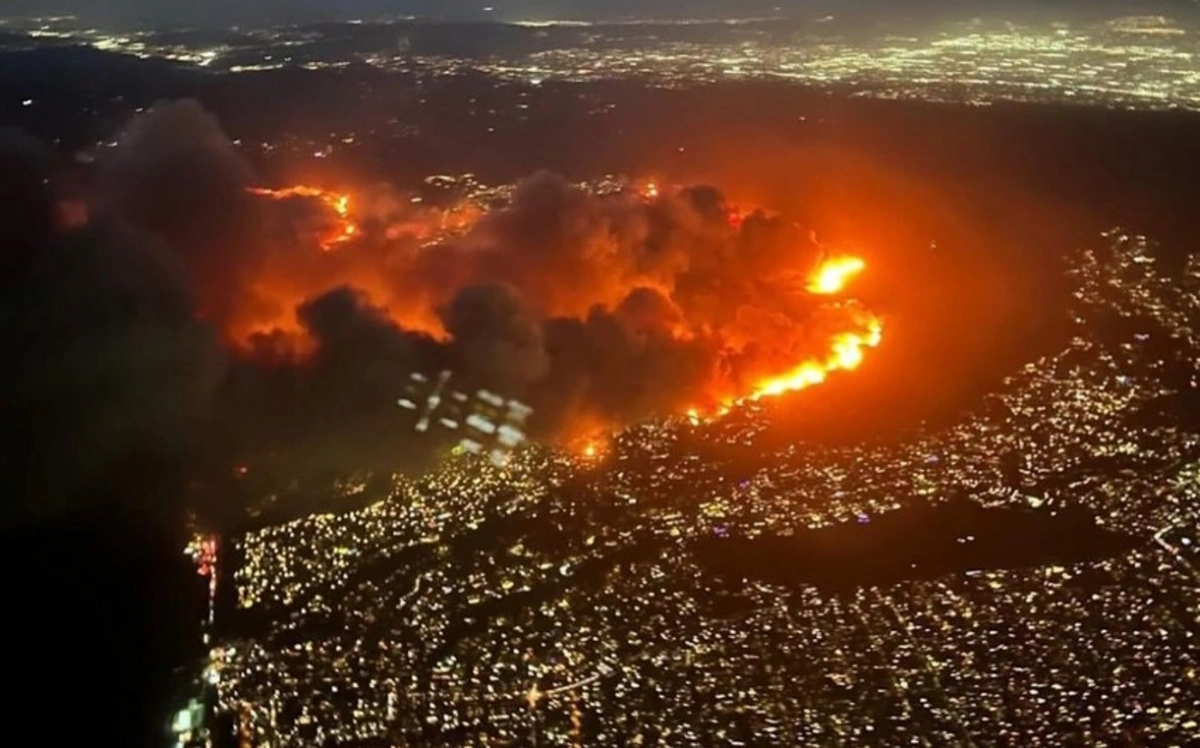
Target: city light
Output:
[(629, 622)]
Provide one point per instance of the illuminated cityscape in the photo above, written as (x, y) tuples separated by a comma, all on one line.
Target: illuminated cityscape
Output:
[(672, 372), (1135, 61), (580, 599)]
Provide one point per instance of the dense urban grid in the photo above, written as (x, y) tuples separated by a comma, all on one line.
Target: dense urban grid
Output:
[(1140, 61), (591, 598)]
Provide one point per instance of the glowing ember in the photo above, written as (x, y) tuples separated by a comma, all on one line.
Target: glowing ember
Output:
[(592, 448), (343, 231), (833, 274)]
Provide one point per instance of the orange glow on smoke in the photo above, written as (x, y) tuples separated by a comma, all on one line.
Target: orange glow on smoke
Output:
[(833, 275), (297, 274), (774, 350), (847, 349), (342, 231)]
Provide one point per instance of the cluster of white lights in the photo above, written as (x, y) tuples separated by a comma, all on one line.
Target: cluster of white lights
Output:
[(491, 423)]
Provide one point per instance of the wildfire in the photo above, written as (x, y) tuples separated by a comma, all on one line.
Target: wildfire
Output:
[(593, 448), (833, 275), (847, 350), (590, 443), (846, 353), (773, 348), (344, 229)]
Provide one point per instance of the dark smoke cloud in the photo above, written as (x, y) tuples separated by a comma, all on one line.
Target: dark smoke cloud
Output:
[(176, 175), (606, 370), (107, 382), (333, 410), (496, 335), (647, 311), (596, 310), (26, 201), (107, 374)]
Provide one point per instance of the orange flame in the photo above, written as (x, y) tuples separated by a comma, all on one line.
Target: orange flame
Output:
[(833, 275), (847, 350), (595, 448), (846, 353), (345, 229)]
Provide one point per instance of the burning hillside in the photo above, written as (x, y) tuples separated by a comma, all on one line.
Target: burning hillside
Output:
[(703, 302), (598, 310), (341, 230)]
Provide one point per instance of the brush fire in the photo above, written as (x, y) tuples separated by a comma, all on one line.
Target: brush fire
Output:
[(617, 306), (599, 304)]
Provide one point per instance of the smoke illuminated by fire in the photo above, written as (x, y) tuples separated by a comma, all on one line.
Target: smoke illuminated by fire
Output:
[(847, 349), (293, 317), (362, 242), (701, 298), (342, 231)]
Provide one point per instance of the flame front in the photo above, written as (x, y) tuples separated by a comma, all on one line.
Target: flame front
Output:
[(833, 275), (847, 350), (410, 272), (343, 230), (846, 353)]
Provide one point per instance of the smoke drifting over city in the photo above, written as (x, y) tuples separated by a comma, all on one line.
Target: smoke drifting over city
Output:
[(281, 322)]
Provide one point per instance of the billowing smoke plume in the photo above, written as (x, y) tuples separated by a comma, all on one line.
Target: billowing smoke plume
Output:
[(175, 175), (596, 310), (107, 371), (495, 334)]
